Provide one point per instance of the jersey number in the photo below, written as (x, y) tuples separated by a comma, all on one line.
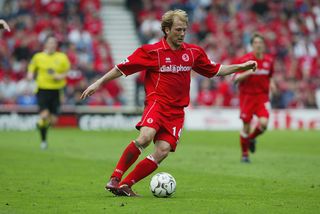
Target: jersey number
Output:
[(174, 131)]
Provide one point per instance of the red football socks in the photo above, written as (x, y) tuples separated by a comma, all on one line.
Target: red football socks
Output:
[(257, 131), (142, 170), (244, 143), (129, 156)]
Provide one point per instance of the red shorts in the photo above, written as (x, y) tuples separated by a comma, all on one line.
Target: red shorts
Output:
[(250, 105), (167, 120)]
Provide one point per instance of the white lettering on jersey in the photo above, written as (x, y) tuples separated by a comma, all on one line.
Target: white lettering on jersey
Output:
[(175, 68), (168, 60), (265, 64)]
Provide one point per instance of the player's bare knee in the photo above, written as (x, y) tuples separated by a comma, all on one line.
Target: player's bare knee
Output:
[(143, 140), (141, 146), (145, 137), (263, 125), (245, 131), (246, 128)]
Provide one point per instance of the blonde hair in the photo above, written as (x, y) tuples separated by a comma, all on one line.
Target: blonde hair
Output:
[(168, 17)]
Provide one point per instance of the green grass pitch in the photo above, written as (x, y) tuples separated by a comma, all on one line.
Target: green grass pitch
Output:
[(284, 176)]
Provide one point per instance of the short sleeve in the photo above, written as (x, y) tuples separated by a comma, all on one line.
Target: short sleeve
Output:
[(204, 66), (137, 61)]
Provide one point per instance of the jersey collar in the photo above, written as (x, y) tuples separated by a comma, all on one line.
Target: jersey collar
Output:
[(255, 58), (166, 46)]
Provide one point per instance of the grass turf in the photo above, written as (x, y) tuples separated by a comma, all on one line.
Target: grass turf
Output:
[(70, 176)]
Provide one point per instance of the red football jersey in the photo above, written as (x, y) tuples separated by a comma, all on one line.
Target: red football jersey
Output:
[(168, 71), (259, 81)]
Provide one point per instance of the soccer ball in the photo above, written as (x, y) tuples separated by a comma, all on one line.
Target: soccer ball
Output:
[(163, 185)]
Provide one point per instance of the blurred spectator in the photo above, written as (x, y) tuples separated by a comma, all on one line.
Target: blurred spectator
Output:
[(26, 98), (149, 28), (224, 93), (110, 95), (8, 91), (207, 95), (79, 36), (102, 55), (289, 93)]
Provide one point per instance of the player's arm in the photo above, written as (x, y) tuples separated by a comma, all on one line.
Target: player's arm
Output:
[(112, 74), (230, 69), (4, 25)]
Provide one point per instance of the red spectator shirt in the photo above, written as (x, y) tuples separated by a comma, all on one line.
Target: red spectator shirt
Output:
[(259, 81), (168, 71)]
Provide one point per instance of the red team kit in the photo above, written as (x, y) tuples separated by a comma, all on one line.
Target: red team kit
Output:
[(254, 91), (167, 69)]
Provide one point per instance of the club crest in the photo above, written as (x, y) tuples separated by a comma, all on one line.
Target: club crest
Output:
[(185, 57)]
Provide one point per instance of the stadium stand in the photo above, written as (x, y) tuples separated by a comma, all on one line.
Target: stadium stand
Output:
[(221, 27), (78, 27)]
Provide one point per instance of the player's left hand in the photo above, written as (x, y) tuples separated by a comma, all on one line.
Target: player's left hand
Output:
[(250, 65), (4, 25), (90, 90)]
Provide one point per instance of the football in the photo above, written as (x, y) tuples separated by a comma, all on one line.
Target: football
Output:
[(163, 185)]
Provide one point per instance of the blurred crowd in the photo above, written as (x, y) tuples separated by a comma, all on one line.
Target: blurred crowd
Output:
[(222, 27), (79, 29)]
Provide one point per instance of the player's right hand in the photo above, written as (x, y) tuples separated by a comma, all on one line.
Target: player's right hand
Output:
[(90, 90), (251, 64)]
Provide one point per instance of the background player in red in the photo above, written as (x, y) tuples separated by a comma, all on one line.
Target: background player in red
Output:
[(254, 95), (168, 64)]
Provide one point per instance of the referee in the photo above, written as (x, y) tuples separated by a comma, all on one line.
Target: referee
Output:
[(49, 68)]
